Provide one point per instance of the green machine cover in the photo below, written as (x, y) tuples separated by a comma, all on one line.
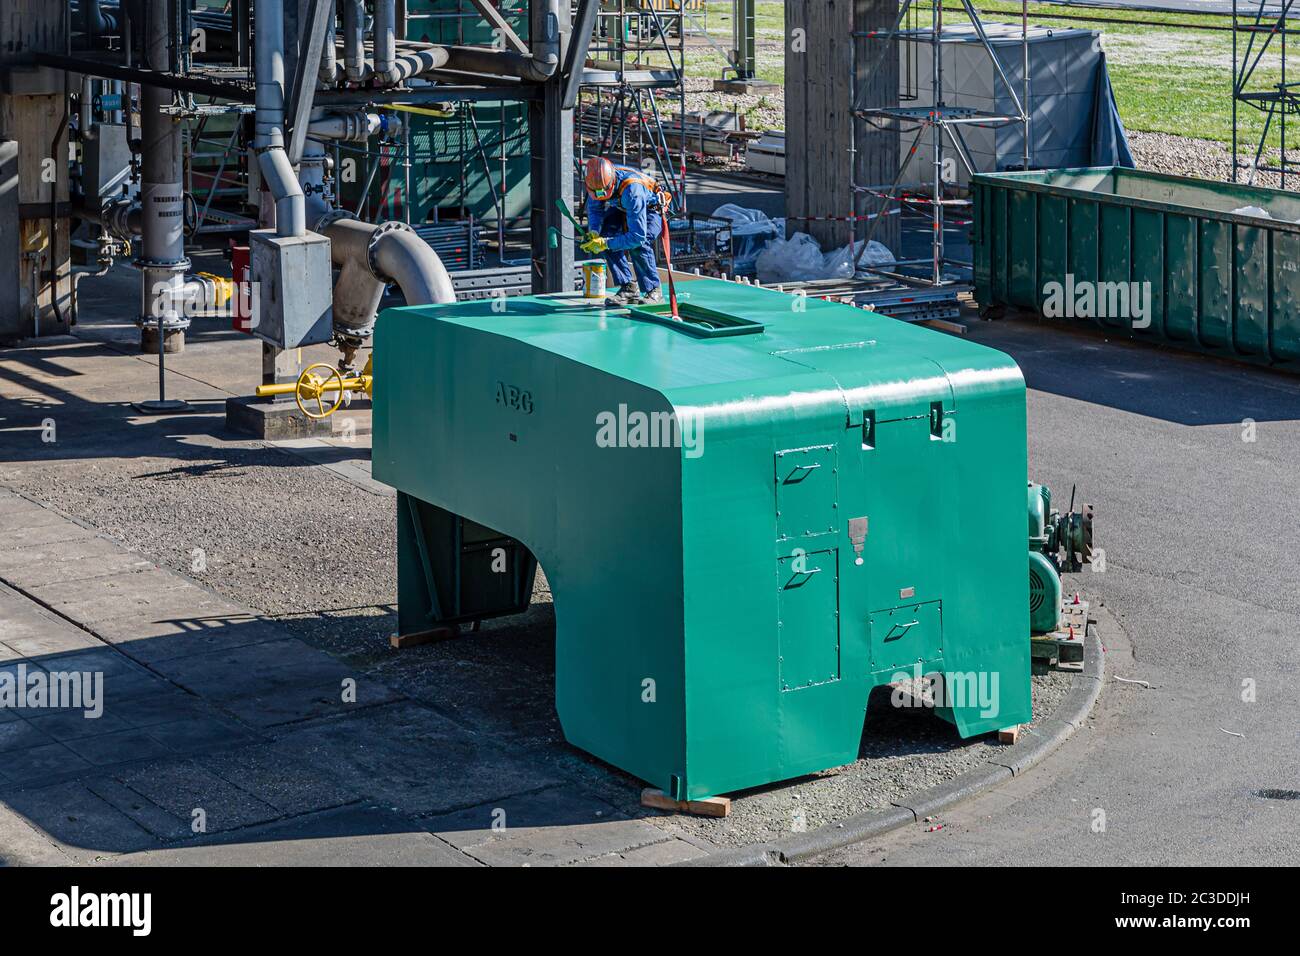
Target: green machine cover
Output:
[(748, 519)]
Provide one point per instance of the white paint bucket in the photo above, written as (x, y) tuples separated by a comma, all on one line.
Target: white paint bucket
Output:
[(593, 280)]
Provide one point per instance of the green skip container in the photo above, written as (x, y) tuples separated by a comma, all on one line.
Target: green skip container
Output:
[(1156, 257)]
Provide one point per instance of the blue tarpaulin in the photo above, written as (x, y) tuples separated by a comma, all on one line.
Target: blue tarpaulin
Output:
[(1109, 141)]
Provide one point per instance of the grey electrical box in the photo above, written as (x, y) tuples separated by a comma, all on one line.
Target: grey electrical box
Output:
[(292, 302), (106, 160)]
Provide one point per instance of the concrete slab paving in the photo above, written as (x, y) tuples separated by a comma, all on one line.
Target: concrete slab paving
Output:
[(144, 813), (75, 569), (22, 844), (135, 586), (352, 836), (280, 778), (153, 641), (87, 828), (553, 827), (22, 734), (40, 764), (16, 556), (68, 725), (184, 787), (56, 532), (665, 853)]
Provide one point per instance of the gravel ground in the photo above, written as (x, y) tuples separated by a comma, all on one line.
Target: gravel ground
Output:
[(761, 110), (318, 553), (904, 750), (1184, 156)]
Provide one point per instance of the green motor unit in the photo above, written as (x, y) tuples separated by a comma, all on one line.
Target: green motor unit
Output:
[(1057, 543), (748, 518)]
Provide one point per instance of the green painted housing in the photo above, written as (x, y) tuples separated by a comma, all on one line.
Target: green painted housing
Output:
[(1211, 279), (817, 504)]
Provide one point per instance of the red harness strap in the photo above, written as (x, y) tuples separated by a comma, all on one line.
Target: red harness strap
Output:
[(668, 259)]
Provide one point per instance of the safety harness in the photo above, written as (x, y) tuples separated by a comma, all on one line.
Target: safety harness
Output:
[(661, 195)]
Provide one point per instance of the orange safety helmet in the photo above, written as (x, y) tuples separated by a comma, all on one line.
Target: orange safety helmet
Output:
[(601, 178)]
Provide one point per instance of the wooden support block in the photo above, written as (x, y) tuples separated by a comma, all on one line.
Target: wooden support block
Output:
[(401, 641), (1009, 735), (708, 807), (943, 325)]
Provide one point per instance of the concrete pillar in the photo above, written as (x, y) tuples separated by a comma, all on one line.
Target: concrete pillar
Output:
[(828, 150), (35, 275)]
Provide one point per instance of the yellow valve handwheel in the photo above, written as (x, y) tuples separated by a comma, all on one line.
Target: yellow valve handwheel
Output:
[(312, 387)]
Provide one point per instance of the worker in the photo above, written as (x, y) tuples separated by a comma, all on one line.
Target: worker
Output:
[(625, 217)]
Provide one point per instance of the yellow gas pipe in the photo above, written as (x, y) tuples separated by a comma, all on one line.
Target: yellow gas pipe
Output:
[(316, 381)]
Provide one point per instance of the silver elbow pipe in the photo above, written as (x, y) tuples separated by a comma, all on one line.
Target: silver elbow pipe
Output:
[(272, 160), (385, 41), (354, 40), (545, 59), (398, 253), (537, 66), (290, 205), (329, 67), (368, 258), (357, 290)]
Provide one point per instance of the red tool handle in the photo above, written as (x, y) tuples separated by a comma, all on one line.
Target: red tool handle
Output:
[(668, 258)]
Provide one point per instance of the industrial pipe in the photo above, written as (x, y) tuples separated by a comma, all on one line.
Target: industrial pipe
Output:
[(369, 257), (418, 62), (96, 20), (352, 126), (122, 217), (354, 40), (163, 262), (329, 67), (545, 41), (357, 290), (385, 41), (398, 253), (272, 160), (85, 116), (538, 66)]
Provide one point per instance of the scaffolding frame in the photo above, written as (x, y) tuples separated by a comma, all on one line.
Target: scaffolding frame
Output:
[(618, 110), (1263, 33), (941, 122)]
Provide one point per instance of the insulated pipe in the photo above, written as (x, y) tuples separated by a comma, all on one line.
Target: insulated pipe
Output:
[(357, 290), (354, 40), (272, 160), (545, 40), (397, 252), (163, 261), (85, 122), (351, 127), (96, 20), (369, 257), (329, 67), (537, 66), (122, 217), (488, 61), (417, 62), (385, 41)]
